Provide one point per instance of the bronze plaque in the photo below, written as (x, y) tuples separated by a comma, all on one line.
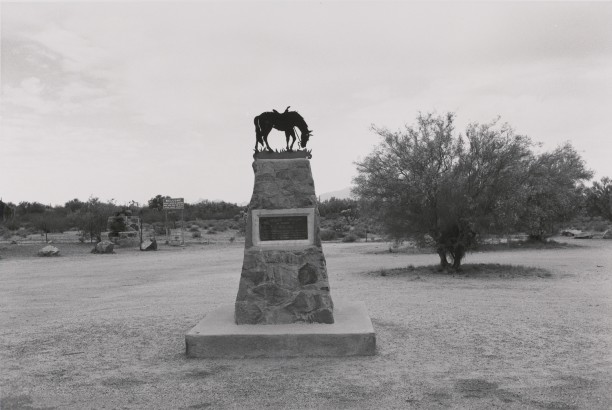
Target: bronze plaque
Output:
[(283, 228)]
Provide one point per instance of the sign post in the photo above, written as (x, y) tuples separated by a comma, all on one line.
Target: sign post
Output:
[(176, 204)]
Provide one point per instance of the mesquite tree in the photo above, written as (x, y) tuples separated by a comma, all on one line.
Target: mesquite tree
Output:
[(553, 192), (433, 185), (599, 199)]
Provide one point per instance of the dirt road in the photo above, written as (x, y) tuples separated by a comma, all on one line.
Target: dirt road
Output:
[(107, 331)]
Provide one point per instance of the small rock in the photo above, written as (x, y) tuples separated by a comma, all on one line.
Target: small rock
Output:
[(148, 245), (49, 251), (104, 247)]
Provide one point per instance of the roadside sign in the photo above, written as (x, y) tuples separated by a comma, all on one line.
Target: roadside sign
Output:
[(174, 203), (170, 204)]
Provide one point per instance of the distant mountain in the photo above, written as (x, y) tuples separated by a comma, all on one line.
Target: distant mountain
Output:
[(340, 194)]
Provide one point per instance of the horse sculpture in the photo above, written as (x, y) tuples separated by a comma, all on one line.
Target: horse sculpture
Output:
[(287, 121)]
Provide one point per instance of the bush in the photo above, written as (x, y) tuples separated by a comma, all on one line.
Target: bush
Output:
[(328, 235), (359, 232), (159, 228), (196, 234), (6, 234), (349, 238), (219, 226), (12, 225), (598, 225), (23, 233), (586, 223), (198, 223)]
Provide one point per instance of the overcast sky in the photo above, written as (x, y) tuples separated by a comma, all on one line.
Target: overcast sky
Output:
[(128, 100)]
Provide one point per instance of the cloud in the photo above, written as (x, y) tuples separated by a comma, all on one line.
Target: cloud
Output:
[(31, 85), (25, 98), (179, 83)]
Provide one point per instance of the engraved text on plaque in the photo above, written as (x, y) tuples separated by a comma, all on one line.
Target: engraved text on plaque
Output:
[(283, 228)]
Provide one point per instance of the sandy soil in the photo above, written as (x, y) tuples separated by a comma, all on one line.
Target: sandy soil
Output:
[(107, 331)]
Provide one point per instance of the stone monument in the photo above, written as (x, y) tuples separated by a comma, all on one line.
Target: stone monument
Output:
[(284, 306), (284, 274)]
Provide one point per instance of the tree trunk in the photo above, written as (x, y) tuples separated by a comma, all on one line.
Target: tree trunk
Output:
[(458, 254), (443, 261), (457, 263)]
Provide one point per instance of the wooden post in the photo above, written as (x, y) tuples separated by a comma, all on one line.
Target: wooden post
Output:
[(167, 233), (183, 225)]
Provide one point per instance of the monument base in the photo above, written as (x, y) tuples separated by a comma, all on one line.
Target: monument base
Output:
[(218, 336)]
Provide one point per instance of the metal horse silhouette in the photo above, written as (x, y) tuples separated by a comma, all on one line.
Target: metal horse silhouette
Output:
[(287, 121)]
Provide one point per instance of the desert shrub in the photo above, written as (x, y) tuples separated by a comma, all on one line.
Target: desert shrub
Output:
[(599, 199), (328, 235), (198, 223), (334, 206), (212, 210), (339, 226), (220, 226), (598, 224), (159, 228), (241, 224), (359, 232), (12, 225), (349, 238), (6, 234), (586, 223)]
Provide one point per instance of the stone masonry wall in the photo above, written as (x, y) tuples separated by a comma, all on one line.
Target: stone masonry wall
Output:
[(283, 284)]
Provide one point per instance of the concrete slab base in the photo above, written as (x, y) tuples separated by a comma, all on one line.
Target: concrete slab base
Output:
[(217, 336)]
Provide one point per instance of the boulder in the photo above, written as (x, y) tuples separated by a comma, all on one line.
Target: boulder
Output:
[(49, 251), (148, 245), (104, 247)]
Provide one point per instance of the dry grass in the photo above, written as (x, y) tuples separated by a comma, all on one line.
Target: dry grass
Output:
[(69, 245), (107, 331), (470, 270)]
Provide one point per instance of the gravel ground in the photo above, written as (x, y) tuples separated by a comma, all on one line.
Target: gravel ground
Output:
[(107, 331)]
